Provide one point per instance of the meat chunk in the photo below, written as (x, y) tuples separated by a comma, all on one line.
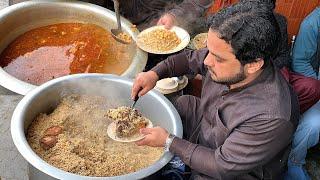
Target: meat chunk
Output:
[(128, 121), (53, 131), (48, 142), (49, 138), (126, 129)]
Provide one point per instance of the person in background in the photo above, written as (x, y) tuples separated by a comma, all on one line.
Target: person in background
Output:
[(305, 60), (305, 54), (188, 14), (242, 125), (147, 13)]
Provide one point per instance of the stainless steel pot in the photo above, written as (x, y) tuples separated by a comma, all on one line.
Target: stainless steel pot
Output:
[(45, 98), (20, 18)]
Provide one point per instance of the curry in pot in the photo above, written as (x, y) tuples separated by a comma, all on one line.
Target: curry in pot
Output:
[(45, 53)]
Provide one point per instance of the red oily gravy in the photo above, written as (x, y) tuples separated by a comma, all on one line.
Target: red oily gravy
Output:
[(48, 52)]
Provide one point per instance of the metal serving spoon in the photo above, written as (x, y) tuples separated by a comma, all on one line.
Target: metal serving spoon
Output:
[(116, 32), (134, 102), (135, 99)]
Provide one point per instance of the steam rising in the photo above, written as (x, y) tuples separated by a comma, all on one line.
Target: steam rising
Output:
[(89, 100)]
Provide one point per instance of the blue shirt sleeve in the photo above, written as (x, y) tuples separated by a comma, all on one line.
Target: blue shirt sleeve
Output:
[(305, 46)]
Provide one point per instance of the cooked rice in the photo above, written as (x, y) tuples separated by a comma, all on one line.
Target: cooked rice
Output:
[(83, 147)]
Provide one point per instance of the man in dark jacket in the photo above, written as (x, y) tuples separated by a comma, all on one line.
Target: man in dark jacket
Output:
[(307, 88), (242, 125)]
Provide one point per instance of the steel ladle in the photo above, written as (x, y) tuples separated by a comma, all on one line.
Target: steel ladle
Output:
[(116, 32), (134, 102)]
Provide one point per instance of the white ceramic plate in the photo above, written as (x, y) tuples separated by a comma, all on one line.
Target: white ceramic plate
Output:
[(181, 33), (111, 131)]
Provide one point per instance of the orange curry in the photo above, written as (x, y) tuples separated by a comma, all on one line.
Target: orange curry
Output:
[(45, 53)]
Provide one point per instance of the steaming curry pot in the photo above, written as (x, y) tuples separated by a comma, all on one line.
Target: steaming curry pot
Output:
[(41, 13)]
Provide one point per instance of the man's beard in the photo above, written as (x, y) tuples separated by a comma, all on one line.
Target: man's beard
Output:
[(231, 80)]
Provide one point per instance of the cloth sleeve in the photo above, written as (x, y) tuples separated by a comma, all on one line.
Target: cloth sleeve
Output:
[(186, 62), (305, 48)]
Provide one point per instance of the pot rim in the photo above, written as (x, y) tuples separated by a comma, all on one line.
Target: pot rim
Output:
[(19, 138)]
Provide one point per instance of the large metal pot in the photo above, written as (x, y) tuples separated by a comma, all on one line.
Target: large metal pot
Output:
[(45, 98), (20, 18)]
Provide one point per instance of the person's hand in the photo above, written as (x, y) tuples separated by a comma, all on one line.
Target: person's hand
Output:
[(167, 20), (143, 83), (155, 137)]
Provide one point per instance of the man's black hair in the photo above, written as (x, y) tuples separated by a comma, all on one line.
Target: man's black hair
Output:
[(252, 33), (266, 3)]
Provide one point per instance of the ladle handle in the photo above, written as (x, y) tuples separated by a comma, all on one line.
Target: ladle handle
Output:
[(116, 8), (135, 99), (134, 102)]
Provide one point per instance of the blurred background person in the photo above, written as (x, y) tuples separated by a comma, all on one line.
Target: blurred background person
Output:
[(146, 13), (305, 60)]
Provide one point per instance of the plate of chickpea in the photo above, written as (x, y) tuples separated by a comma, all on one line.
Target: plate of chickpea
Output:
[(159, 40)]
